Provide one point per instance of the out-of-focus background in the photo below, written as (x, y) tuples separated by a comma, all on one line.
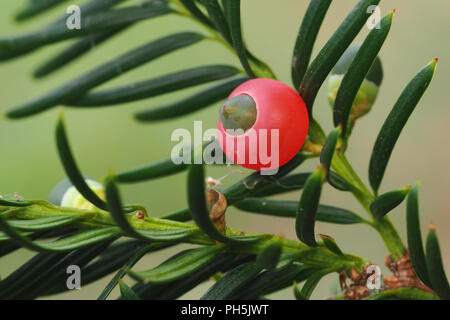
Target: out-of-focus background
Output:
[(109, 138)]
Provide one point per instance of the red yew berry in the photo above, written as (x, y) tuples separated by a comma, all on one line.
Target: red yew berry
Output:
[(263, 124)]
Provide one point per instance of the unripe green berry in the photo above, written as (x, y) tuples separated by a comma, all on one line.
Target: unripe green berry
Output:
[(368, 91), (66, 195), (238, 113)]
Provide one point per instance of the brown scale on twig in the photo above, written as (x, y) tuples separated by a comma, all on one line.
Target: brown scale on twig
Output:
[(357, 290), (217, 206), (403, 275)]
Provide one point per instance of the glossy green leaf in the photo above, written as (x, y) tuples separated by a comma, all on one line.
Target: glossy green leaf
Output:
[(386, 202), (225, 6), (91, 7), (86, 44), (71, 168), (193, 9), (192, 103), (57, 273), (179, 215), (288, 183), (156, 86), (286, 259), (131, 260), (47, 223), (14, 203), (112, 259), (272, 281), (36, 8), (102, 21), (73, 242), (119, 217), (395, 122), (334, 48), (105, 72), (306, 38), (22, 277), (220, 264), (232, 281), (5, 238), (166, 235), (415, 245), (331, 244), (217, 16), (260, 68), (184, 264), (307, 208), (297, 293), (338, 182), (154, 170), (175, 289), (435, 266), (199, 210), (254, 182), (233, 15), (316, 132), (310, 285), (7, 245), (405, 293), (126, 292), (73, 52), (269, 256), (329, 147), (288, 209), (358, 70)]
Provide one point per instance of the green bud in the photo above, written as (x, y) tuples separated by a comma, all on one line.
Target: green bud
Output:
[(368, 91), (65, 195), (238, 113)]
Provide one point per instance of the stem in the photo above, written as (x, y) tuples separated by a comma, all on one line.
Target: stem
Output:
[(384, 226), (214, 34), (390, 237), (313, 256), (260, 68)]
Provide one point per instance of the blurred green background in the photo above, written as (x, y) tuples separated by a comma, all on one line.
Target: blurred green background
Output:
[(109, 138)]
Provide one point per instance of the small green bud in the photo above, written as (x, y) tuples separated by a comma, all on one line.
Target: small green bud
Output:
[(368, 91), (238, 113), (65, 195)]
